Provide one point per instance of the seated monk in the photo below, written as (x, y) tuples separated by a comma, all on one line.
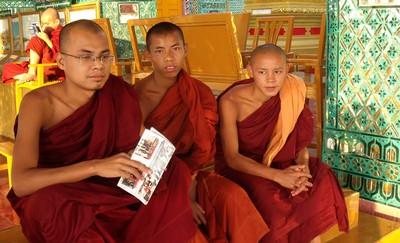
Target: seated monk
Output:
[(265, 127), (42, 48), (71, 148), (185, 111)]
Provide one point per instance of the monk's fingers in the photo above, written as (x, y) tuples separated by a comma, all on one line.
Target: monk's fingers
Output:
[(299, 189), (301, 180), (297, 168), (200, 214), (202, 219), (307, 184), (132, 175), (141, 167), (303, 174)]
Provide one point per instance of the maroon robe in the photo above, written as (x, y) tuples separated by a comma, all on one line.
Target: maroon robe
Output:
[(96, 210), (187, 116), (294, 219), (46, 54)]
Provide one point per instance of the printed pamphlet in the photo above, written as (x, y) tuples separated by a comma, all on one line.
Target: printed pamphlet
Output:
[(155, 151)]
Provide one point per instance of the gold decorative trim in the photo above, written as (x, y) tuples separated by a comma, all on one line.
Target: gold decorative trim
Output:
[(298, 10)]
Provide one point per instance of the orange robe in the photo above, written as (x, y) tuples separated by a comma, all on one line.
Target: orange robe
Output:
[(187, 116), (291, 219), (96, 210), (46, 54)]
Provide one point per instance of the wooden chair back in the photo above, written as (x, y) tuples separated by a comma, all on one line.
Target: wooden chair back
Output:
[(242, 21), (273, 27), (106, 26), (138, 28), (213, 51), (315, 87)]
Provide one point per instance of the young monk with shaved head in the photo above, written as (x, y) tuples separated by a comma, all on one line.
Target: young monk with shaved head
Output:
[(42, 48), (185, 111), (71, 148), (265, 128)]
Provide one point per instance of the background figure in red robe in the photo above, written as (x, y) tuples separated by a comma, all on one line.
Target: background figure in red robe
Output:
[(42, 48), (265, 127), (71, 148), (184, 110)]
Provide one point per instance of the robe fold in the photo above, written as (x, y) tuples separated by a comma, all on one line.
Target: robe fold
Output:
[(290, 219), (96, 210), (46, 54), (187, 116)]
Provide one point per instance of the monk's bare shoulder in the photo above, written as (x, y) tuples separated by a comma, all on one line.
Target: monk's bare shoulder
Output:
[(39, 98), (49, 103), (237, 94)]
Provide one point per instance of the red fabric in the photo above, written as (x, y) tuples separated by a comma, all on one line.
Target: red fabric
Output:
[(231, 216), (297, 219), (96, 210), (47, 55), (187, 117)]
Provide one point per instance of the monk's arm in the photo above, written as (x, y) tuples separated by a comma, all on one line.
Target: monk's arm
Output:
[(303, 157), (45, 38), (27, 178), (230, 143)]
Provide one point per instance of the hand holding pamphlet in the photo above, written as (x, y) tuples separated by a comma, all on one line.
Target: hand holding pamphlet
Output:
[(155, 151)]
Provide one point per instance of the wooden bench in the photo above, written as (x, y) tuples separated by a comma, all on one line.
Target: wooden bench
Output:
[(6, 149), (13, 234)]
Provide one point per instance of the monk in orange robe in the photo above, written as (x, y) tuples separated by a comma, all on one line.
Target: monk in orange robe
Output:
[(71, 148), (265, 127), (185, 111), (42, 48)]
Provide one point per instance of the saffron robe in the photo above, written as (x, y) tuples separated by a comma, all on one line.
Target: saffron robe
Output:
[(187, 116), (46, 54), (291, 219), (96, 210)]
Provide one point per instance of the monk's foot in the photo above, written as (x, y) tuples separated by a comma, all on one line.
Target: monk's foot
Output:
[(26, 77)]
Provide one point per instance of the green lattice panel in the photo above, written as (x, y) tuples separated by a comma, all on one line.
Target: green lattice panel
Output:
[(147, 9), (362, 125)]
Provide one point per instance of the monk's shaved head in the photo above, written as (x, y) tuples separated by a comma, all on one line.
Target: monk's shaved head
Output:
[(266, 49), (52, 13), (68, 31), (163, 28)]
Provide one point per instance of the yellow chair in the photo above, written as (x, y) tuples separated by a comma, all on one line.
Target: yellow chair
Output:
[(116, 67), (6, 149), (31, 85), (213, 56), (315, 89), (241, 21)]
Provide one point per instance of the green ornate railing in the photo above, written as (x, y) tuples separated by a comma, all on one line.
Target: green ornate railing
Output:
[(362, 122)]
